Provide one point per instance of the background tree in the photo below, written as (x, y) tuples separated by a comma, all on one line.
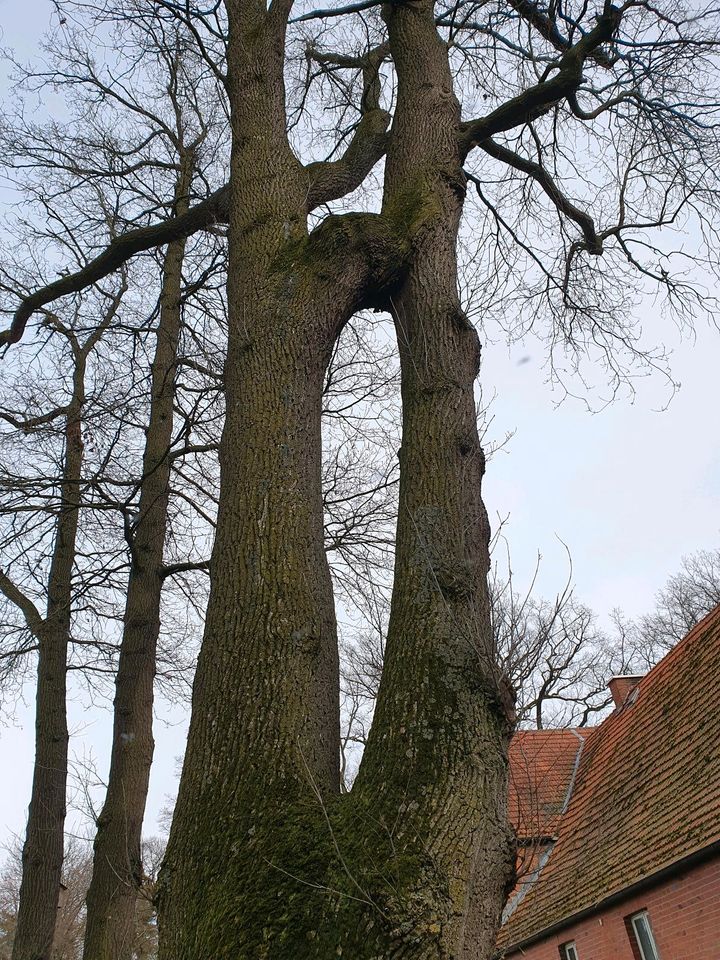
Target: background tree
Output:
[(104, 147), (51, 633), (71, 916), (686, 598), (67, 941), (118, 876)]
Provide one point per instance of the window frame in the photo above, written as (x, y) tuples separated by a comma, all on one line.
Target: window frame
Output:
[(644, 917), (566, 947)]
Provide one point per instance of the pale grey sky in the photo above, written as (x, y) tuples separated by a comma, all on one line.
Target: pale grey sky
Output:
[(629, 489), (22, 23)]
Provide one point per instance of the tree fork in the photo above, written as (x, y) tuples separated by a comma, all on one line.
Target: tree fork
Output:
[(286, 867)]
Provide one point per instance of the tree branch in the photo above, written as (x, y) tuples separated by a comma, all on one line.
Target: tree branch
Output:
[(14, 594), (538, 99), (212, 210), (547, 28), (322, 14), (540, 175), (28, 424), (332, 180), (188, 566), (192, 449)]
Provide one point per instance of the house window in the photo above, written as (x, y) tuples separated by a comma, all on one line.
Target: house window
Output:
[(568, 951), (642, 931)]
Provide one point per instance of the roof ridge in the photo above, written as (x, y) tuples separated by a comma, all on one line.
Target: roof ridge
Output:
[(678, 649), (573, 775)]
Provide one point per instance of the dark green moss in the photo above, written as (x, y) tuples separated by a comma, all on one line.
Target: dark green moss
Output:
[(320, 881), (413, 205)]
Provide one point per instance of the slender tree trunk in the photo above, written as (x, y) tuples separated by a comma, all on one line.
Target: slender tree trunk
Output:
[(117, 863), (42, 857)]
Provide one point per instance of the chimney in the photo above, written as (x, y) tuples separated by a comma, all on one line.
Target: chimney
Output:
[(621, 688)]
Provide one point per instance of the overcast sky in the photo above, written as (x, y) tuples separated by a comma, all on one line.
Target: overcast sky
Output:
[(630, 489)]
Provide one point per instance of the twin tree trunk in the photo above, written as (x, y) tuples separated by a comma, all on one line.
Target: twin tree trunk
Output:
[(266, 858), (117, 875)]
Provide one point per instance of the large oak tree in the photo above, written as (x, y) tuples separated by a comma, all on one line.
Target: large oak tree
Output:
[(601, 116)]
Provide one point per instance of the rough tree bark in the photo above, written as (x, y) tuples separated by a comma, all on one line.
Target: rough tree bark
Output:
[(443, 720), (42, 857), (265, 858), (117, 862)]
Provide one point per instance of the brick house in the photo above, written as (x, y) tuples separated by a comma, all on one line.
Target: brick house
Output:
[(619, 826)]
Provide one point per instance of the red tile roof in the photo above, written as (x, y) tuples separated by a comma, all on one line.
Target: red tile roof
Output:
[(542, 768), (646, 793)]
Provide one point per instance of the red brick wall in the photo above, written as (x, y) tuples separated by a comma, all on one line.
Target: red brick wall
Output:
[(684, 915)]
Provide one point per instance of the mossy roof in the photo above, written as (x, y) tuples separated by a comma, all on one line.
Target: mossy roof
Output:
[(646, 793)]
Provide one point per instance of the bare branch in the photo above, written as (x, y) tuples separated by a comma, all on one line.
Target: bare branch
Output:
[(172, 569), (127, 245), (336, 11), (330, 181), (538, 99), (28, 424), (15, 595), (547, 28), (593, 242)]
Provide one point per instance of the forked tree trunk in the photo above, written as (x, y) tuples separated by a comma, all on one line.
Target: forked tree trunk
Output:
[(42, 857), (117, 862), (266, 859)]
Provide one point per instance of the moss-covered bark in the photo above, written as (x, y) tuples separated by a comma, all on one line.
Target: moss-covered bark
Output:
[(266, 859)]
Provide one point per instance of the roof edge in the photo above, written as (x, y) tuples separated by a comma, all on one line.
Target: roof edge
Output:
[(649, 880), (576, 766), (512, 904)]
